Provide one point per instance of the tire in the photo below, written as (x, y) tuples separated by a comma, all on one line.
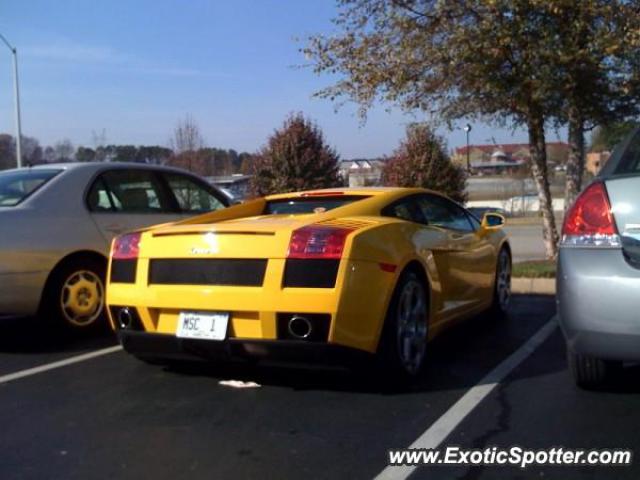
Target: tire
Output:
[(502, 285), (402, 347), (74, 297), (588, 372)]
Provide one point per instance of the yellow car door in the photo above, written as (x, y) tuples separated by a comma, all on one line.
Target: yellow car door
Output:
[(468, 265)]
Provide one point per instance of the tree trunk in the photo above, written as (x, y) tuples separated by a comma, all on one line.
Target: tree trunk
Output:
[(575, 162), (541, 179)]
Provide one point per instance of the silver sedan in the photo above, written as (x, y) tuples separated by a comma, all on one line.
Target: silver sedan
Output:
[(57, 222), (598, 277)]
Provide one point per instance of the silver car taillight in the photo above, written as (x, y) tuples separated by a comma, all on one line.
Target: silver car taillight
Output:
[(589, 221)]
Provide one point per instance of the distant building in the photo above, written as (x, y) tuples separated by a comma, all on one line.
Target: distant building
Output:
[(595, 161), (361, 173), (506, 158)]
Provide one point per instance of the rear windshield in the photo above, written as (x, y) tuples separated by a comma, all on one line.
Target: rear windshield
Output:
[(292, 206), (630, 157), (15, 186)]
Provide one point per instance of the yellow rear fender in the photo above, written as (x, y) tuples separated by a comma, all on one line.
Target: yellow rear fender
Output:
[(381, 254)]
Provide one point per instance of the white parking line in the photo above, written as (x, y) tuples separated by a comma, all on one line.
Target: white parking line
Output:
[(443, 427), (61, 363)]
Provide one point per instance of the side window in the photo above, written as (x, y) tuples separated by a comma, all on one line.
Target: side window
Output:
[(405, 209), (133, 191), (98, 198), (474, 222), (192, 197), (443, 213)]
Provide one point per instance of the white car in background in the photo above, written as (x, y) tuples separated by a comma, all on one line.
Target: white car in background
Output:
[(57, 222)]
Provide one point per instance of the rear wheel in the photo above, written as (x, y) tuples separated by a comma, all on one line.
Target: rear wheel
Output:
[(403, 344), (502, 284), (590, 372), (75, 295)]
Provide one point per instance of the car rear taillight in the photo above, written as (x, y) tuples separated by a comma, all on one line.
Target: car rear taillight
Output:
[(318, 242), (589, 221), (126, 247)]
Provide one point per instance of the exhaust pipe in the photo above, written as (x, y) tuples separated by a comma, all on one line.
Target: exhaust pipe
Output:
[(125, 318), (300, 327)]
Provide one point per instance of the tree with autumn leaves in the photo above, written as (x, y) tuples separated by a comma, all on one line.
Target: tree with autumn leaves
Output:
[(421, 160), (534, 63), (295, 158)]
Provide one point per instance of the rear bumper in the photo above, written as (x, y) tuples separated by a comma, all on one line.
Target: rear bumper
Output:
[(599, 303), (165, 346)]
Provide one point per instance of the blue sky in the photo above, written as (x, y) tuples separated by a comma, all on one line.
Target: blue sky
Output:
[(134, 68)]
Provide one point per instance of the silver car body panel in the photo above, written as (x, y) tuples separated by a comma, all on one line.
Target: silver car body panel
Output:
[(53, 223), (598, 288), (598, 295)]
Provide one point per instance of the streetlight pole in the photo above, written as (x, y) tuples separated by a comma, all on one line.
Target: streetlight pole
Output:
[(467, 129), (16, 92)]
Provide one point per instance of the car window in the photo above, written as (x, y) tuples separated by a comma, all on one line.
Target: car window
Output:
[(17, 185), (405, 209), (475, 222), (192, 196), (444, 213), (98, 198), (128, 191), (630, 157), (302, 205)]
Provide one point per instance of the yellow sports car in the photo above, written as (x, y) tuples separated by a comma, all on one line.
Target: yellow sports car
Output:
[(318, 275)]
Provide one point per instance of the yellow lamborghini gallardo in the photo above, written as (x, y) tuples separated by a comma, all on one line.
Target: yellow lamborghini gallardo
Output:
[(315, 276)]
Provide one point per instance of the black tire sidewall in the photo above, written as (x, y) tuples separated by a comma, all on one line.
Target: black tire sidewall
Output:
[(388, 357), (496, 308)]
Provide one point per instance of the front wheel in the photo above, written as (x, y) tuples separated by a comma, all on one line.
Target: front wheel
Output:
[(403, 344), (75, 295)]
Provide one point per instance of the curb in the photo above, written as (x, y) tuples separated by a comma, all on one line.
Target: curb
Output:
[(528, 286)]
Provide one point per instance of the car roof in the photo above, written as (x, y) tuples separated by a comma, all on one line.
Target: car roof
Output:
[(97, 166)]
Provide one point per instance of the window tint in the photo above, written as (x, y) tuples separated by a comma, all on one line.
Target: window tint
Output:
[(191, 196), (301, 205), (15, 186), (98, 199), (443, 213), (474, 222), (630, 157), (405, 209), (129, 191)]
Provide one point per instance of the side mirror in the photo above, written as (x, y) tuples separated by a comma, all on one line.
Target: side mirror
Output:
[(493, 221)]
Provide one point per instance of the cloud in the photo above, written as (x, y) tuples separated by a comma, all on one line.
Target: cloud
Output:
[(105, 56), (75, 53)]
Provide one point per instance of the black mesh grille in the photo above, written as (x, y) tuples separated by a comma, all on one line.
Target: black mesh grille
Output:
[(200, 271), (124, 271), (310, 273)]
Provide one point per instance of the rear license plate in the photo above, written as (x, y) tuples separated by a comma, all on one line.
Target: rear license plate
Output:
[(203, 325)]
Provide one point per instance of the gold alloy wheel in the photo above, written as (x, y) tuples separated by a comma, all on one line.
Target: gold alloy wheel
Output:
[(82, 298)]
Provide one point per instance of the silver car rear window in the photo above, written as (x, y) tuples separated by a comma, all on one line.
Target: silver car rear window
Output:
[(17, 185)]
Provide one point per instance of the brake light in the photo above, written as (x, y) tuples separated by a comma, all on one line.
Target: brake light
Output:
[(126, 247), (589, 221), (318, 242)]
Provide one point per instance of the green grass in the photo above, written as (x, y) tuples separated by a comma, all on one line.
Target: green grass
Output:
[(535, 269)]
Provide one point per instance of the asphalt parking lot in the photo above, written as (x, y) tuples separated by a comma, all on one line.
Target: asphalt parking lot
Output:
[(112, 416)]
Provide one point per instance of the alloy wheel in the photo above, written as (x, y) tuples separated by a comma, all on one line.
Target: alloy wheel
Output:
[(82, 298), (412, 326)]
